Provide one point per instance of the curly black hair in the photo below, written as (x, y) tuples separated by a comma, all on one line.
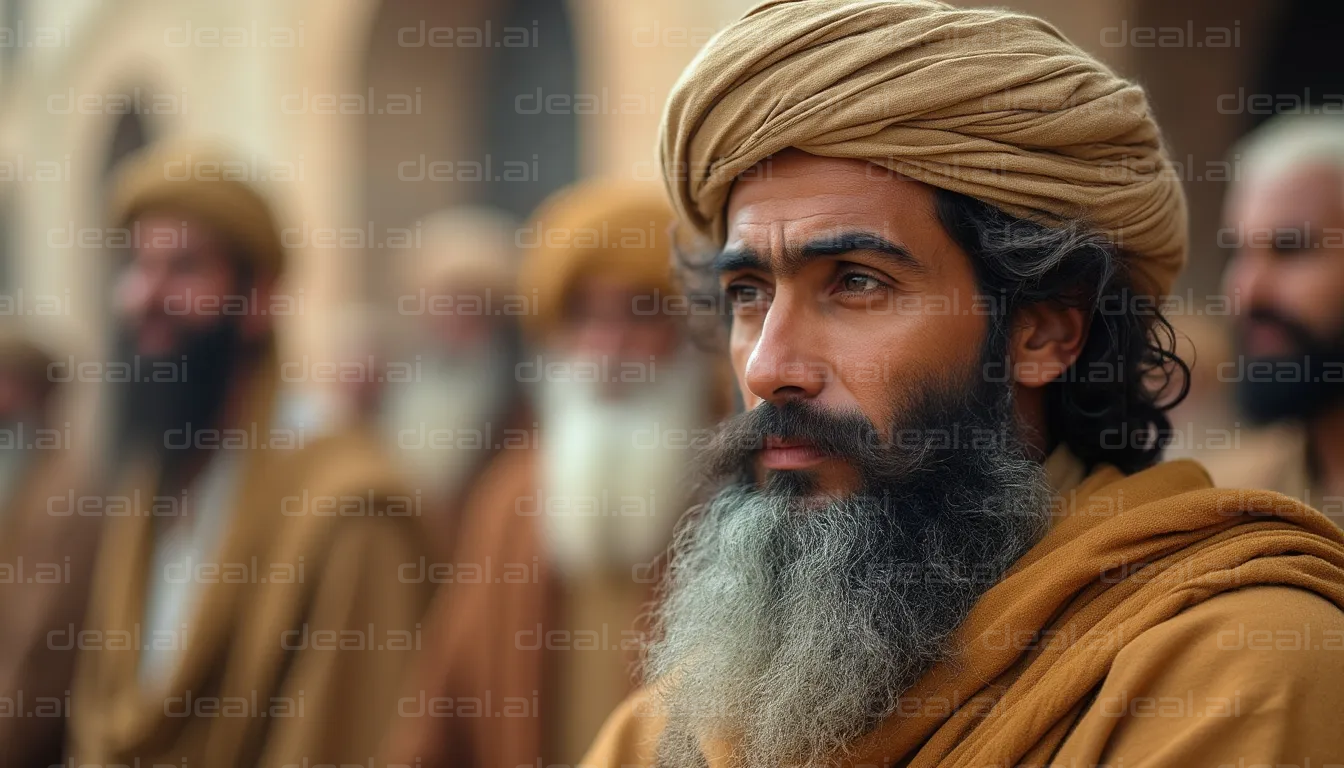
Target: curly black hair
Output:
[(1111, 405)]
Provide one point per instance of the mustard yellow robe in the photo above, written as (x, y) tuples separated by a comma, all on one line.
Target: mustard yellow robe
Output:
[(300, 639), (1160, 622)]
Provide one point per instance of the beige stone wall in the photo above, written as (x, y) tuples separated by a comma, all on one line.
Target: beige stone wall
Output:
[(269, 99)]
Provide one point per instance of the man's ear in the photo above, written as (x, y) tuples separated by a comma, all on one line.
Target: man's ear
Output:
[(1047, 338)]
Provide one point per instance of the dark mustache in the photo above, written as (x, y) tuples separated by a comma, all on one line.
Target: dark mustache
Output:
[(846, 435), (1301, 336)]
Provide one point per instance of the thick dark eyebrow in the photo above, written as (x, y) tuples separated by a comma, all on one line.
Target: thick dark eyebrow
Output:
[(738, 259), (734, 259), (850, 242)]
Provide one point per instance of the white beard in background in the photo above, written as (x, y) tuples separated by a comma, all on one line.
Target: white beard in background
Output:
[(613, 483), (437, 424)]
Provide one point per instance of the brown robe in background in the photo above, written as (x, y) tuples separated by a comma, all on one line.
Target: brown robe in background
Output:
[(298, 661), (46, 557), (502, 638)]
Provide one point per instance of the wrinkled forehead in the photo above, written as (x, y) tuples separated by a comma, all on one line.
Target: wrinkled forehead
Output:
[(165, 233), (1307, 191), (792, 199), (793, 187)]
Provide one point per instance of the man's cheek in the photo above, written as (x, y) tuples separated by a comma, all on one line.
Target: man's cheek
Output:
[(749, 400), (1329, 326), (740, 349)]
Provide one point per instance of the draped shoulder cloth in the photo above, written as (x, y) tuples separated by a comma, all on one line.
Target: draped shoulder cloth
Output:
[(1161, 621), (989, 103)]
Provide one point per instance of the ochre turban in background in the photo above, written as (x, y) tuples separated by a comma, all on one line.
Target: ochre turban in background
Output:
[(204, 181), (989, 103), (615, 228), (465, 247)]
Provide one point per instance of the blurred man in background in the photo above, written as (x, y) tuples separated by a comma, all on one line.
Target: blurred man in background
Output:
[(1285, 218), (555, 560), (444, 423), (247, 608), (45, 551)]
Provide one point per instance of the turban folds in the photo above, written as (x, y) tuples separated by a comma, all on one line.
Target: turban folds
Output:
[(988, 103), (206, 182), (467, 246), (616, 228)]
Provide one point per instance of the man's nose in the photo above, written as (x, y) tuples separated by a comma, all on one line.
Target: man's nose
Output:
[(602, 337), (141, 294), (1250, 279), (780, 367)]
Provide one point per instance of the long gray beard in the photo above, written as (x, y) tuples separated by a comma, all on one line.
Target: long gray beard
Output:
[(790, 629), (432, 423), (622, 484)]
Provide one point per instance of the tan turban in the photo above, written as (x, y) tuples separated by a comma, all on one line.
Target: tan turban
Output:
[(466, 247), (614, 228), (208, 183), (989, 103)]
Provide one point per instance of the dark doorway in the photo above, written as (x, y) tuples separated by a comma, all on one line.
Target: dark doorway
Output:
[(530, 119), (1303, 62)]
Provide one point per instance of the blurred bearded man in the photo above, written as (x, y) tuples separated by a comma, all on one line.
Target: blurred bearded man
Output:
[(1285, 218), (454, 300), (572, 514), (241, 543), (941, 533)]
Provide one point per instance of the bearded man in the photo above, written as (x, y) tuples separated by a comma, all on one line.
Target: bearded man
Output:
[(453, 303), (558, 538), (941, 533), (1284, 218), (247, 606)]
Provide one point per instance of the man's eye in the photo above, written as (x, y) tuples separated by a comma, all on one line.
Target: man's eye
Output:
[(1289, 250), (745, 296), (1291, 242), (188, 266), (857, 282)]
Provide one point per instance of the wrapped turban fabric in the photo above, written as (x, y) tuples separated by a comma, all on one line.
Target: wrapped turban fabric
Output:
[(602, 226), (987, 103), (205, 181)]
